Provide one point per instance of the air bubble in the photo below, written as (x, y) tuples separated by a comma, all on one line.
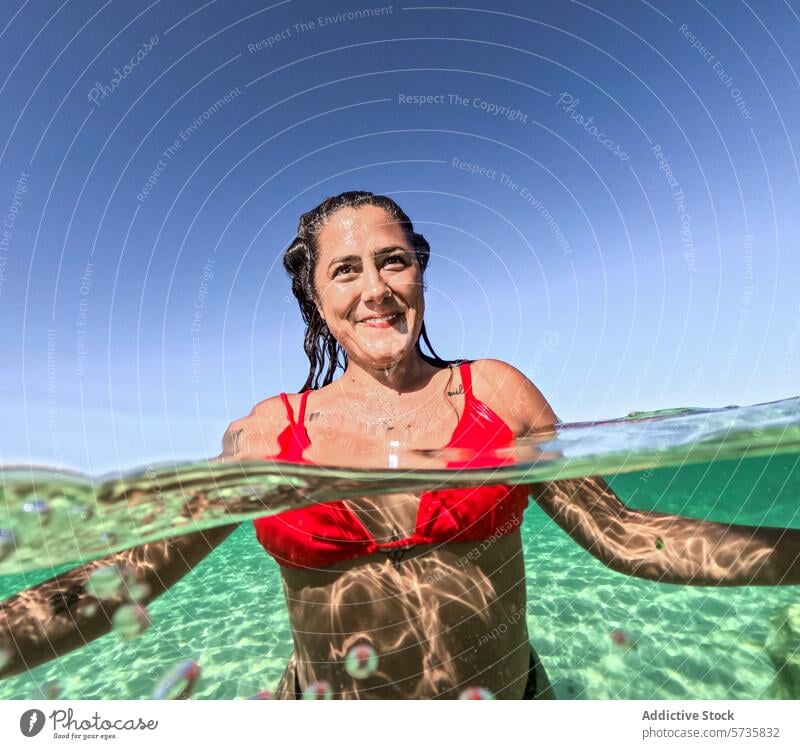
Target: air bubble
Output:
[(361, 661), (82, 511), (50, 690), (318, 690), (130, 621), (179, 683), (8, 543), (110, 581), (476, 693), (138, 592), (36, 505), (623, 639), (103, 542)]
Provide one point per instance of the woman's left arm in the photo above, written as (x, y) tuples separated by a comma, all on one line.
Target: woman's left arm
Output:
[(668, 548), (650, 545)]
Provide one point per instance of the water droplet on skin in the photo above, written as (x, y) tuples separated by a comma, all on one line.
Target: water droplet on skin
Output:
[(476, 693), (89, 610), (179, 682), (130, 621), (361, 661), (318, 690)]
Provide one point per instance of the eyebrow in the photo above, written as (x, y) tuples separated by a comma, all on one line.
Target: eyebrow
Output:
[(377, 253)]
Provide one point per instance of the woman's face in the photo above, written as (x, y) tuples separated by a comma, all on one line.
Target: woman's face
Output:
[(367, 269)]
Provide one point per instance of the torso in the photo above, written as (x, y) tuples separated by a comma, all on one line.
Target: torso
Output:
[(444, 618)]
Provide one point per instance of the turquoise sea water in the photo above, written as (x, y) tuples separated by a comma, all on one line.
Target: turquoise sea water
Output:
[(690, 642)]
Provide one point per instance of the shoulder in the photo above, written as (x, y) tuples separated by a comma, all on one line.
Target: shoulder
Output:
[(511, 395), (256, 434)]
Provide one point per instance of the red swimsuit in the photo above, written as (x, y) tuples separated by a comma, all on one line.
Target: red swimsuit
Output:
[(323, 534)]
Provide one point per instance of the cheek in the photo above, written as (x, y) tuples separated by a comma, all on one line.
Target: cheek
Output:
[(333, 299), (412, 287)]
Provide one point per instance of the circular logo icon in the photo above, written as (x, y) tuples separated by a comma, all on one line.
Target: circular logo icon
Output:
[(31, 722)]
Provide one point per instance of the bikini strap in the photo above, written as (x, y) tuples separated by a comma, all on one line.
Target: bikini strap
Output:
[(301, 417), (466, 379), (288, 405)]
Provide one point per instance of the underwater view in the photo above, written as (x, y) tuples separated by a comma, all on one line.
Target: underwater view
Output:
[(599, 634)]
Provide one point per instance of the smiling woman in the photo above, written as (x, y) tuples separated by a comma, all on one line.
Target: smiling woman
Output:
[(402, 574), (377, 286), (357, 259)]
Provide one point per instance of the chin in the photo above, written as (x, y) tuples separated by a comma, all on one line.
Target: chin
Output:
[(389, 355)]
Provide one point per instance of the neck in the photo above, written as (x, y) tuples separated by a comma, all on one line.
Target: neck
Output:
[(408, 375)]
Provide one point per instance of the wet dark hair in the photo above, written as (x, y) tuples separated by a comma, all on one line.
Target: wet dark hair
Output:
[(300, 260)]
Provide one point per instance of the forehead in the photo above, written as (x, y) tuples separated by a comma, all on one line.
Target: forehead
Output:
[(360, 229)]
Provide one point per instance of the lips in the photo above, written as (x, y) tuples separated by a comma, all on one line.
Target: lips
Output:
[(381, 321)]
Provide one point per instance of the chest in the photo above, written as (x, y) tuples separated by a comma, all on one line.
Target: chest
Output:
[(360, 437)]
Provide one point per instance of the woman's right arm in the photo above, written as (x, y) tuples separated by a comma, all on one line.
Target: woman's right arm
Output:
[(59, 615)]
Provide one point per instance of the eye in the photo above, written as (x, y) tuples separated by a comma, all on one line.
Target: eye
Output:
[(399, 258), (344, 268)]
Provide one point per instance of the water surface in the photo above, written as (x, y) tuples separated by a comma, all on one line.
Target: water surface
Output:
[(737, 465)]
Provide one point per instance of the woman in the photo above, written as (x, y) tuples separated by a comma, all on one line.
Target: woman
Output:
[(421, 579), (388, 571)]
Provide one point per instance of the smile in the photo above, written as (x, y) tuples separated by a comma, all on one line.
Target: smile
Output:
[(381, 322)]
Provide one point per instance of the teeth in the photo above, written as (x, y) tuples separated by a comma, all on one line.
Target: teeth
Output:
[(385, 317)]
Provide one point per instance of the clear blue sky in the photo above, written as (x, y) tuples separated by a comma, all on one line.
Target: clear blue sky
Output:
[(640, 252)]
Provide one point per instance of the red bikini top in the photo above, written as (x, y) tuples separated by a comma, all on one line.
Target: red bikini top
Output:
[(323, 534)]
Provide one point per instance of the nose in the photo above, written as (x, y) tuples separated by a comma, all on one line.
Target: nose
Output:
[(374, 287)]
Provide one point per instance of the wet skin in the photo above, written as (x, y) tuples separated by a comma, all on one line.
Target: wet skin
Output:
[(427, 615), (441, 620), (443, 617)]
